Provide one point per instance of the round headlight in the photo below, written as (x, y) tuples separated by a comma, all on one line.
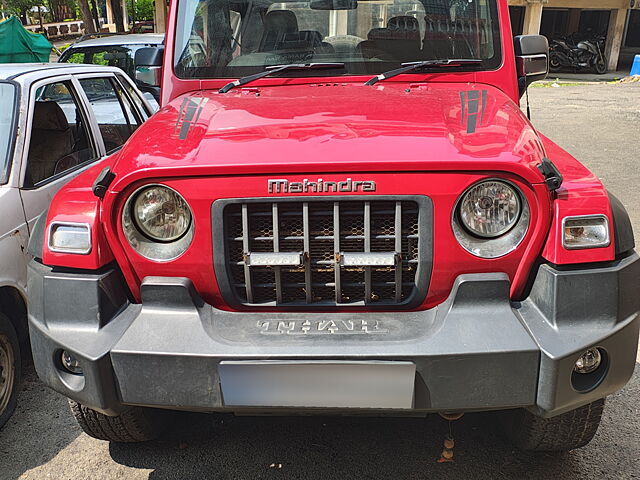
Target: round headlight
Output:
[(490, 209), (161, 214), (158, 223), (491, 218)]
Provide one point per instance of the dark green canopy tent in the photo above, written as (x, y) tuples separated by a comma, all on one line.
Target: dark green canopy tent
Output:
[(19, 45)]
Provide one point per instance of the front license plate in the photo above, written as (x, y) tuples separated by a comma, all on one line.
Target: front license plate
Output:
[(323, 384)]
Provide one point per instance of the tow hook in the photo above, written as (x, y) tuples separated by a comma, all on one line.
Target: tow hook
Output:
[(447, 445)]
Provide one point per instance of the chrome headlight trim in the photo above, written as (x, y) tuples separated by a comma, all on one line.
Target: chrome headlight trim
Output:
[(148, 248), (491, 247)]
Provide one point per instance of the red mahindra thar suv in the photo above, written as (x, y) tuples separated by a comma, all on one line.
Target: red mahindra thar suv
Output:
[(340, 207)]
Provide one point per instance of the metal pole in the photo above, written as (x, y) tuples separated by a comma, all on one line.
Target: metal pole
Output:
[(40, 19)]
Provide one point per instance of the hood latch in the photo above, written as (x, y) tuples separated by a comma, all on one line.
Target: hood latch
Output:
[(102, 182), (552, 176)]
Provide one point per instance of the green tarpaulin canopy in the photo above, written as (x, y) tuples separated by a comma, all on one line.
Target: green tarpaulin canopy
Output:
[(18, 45)]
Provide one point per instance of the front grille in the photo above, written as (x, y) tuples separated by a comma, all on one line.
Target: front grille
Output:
[(327, 234)]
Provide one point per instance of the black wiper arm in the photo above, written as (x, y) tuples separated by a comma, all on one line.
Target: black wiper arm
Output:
[(278, 68), (410, 66)]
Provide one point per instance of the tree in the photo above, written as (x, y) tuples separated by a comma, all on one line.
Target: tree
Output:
[(61, 9), (56, 10), (141, 9), (116, 9), (95, 11), (21, 7), (87, 19)]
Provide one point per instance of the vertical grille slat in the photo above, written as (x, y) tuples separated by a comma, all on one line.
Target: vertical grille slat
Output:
[(307, 251), (398, 244), (321, 233), (277, 271), (336, 252), (245, 251), (367, 249)]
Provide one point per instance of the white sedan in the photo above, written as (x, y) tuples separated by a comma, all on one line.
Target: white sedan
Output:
[(55, 121)]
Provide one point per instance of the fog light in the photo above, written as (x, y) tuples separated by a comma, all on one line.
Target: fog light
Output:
[(368, 259), (589, 361), (275, 259), (71, 363)]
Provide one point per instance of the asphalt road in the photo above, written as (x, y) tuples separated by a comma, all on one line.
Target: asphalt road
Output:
[(599, 124)]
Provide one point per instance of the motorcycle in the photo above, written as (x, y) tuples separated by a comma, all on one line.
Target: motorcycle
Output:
[(564, 53)]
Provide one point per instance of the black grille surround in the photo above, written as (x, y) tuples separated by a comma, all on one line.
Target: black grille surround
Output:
[(400, 225)]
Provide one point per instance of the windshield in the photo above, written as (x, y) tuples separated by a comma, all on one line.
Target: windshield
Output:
[(120, 56), (7, 118), (223, 38)]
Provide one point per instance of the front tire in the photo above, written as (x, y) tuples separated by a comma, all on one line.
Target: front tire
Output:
[(135, 424), (554, 63), (600, 66), (570, 430), (9, 369)]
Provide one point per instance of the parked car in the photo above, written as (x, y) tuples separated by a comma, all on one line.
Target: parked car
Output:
[(57, 121), (143, 26), (117, 51), (314, 225)]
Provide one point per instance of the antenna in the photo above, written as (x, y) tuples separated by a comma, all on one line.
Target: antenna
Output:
[(526, 92)]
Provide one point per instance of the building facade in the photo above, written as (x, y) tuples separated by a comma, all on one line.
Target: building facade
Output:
[(617, 20)]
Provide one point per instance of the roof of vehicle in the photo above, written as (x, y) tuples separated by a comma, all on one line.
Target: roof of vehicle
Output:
[(130, 39), (13, 70)]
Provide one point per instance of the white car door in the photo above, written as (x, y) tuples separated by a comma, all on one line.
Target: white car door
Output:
[(116, 111), (60, 141), (93, 116), (13, 230)]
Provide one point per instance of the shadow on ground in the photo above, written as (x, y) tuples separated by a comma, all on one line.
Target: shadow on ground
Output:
[(331, 447), (40, 428), (228, 447)]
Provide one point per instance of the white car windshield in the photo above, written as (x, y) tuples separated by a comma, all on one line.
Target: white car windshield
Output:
[(121, 56), (233, 38), (7, 117)]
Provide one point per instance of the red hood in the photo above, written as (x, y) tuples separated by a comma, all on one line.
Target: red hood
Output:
[(334, 128)]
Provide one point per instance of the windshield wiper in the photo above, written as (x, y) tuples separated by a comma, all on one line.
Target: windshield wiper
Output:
[(411, 66), (278, 68)]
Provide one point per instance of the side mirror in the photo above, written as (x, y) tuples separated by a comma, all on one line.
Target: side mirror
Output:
[(148, 62), (150, 56), (532, 59)]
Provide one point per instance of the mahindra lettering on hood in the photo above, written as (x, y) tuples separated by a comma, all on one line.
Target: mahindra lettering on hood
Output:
[(339, 208), (278, 185)]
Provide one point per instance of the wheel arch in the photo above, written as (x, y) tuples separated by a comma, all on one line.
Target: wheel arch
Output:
[(13, 303)]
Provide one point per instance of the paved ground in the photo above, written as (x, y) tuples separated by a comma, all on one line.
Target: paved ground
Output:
[(586, 76), (597, 123)]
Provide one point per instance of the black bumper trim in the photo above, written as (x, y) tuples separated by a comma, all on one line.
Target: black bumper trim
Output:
[(476, 351)]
